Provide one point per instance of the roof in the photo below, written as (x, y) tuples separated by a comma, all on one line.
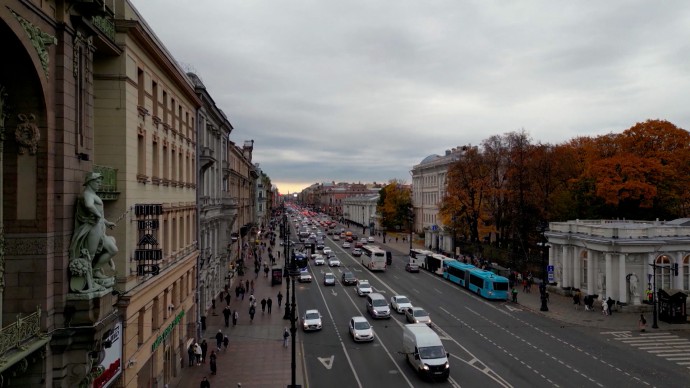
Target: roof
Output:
[(429, 158)]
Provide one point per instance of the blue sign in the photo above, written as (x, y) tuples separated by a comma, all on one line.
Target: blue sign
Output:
[(434, 227), (549, 268)]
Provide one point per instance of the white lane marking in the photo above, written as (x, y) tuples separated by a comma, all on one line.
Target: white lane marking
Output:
[(327, 361)]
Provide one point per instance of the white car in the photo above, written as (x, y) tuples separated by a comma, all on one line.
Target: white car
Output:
[(327, 250), (360, 329), (363, 287), (346, 245), (371, 239), (329, 279), (319, 260), (304, 277), (311, 320), (333, 262), (400, 303), (336, 237)]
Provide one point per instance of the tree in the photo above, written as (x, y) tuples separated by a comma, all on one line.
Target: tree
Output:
[(394, 201)]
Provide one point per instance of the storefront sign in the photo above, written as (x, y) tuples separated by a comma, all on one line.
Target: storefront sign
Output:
[(107, 371), (167, 331)]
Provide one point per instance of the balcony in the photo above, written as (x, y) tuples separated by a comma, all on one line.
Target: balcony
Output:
[(108, 190), (206, 158), (21, 338)]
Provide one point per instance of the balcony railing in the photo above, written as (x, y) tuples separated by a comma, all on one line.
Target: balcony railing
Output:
[(108, 190), (16, 334)]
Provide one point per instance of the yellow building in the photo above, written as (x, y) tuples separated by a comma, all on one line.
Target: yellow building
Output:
[(145, 131)]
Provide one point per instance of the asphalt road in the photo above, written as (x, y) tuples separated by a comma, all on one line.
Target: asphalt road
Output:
[(491, 344)]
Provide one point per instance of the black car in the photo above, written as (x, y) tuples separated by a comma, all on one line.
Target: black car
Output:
[(349, 278)]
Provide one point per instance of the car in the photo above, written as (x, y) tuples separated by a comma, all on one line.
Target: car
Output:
[(333, 262), (327, 250), (319, 260), (363, 287), (417, 315), (357, 252), (412, 267), (359, 244), (336, 237), (311, 320), (329, 279), (371, 239), (348, 278), (360, 329), (319, 246), (348, 238), (304, 277), (400, 303), (363, 241), (346, 245)]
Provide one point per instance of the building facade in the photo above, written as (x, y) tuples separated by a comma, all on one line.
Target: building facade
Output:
[(361, 210), (146, 130), (620, 259), (54, 336), (428, 190)]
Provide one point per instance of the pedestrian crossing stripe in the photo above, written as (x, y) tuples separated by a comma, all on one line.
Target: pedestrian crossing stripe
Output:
[(666, 345)]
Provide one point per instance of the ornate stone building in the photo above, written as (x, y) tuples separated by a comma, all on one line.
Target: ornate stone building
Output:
[(428, 190), (242, 178), (217, 208), (617, 258), (51, 335), (145, 117)]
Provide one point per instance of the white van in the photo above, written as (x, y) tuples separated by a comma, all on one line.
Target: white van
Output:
[(377, 306), (425, 352)]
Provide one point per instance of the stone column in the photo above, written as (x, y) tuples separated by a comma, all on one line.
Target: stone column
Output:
[(566, 268), (608, 266), (591, 279), (622, 281), (577, 267)]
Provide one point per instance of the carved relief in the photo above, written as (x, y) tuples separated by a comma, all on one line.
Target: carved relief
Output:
[(27, 134), (81, 41), (39, 39)]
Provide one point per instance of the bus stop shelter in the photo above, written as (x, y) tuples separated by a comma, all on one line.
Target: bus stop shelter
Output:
[(672, 306)]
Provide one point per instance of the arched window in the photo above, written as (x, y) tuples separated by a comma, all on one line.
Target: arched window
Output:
[(663, 272), (686, 273)]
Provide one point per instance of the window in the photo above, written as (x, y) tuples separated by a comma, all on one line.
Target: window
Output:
[(141, 153), (154, 98), (663, 272), (165, 107), (166, 163), (154, 160), (686, 273), (141, 87)]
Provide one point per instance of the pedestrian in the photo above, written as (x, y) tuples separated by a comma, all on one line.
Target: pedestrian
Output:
[(263, 305), (576, 299), (269, 303), (252, 299), (226, 342), (213, 306), (190, 354), (265, 271), (246, 285), (242, 291), (604, 308), (205, 383), (251, 290), (226, 315), (280, 298), (642, 323), (212, 361), (609, 304), (197, 353), (514, 293), (252, 311), (219, 339), (204, 349), (227, 298), (235, 317), (286, 335)]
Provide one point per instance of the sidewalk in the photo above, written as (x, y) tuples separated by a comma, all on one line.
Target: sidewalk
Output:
[(561, 307), (256, 356)]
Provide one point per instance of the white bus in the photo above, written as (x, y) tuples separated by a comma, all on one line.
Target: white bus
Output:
[(418, 256), (373, 258)]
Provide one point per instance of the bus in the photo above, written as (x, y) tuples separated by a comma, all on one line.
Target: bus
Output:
[(435, 262), (417, 256), (373, 258), (301, 260), (458, 272), (488, 284), (481, 282)]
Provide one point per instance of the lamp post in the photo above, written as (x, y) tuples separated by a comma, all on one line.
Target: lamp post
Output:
[(544, 259), (655, 324), (286, 257), (410, 216)]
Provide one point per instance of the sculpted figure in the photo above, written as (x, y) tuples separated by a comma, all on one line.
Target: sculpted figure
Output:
[(633, 284), (90, 227)]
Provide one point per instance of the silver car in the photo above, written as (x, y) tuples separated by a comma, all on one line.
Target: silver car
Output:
[(363, 287), (417, 315), (333, 262)]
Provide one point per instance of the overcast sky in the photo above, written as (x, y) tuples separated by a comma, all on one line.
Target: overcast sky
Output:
[(361, 91)]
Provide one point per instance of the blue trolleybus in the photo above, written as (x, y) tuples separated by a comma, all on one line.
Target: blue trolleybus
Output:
[(484, 283)]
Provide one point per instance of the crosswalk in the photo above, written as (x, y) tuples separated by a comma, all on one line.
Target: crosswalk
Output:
[(661, 344)]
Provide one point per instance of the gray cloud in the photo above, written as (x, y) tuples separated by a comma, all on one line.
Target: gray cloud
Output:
[(362, 91)]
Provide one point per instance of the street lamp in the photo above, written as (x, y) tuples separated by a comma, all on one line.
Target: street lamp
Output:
[(543, 227), (410, 216), (655, 324)]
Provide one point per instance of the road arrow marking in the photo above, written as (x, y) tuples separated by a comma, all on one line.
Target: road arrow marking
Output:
[(327, 362), (334, 293), (513, 308)]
